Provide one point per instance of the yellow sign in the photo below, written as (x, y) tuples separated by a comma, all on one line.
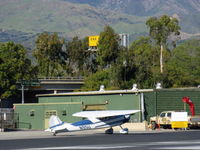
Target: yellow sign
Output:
[(93, 40)]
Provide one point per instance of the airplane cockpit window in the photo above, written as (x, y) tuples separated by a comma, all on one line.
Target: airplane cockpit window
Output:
[(104, 118), (108, 118)]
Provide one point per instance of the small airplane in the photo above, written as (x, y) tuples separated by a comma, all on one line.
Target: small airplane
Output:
[(95, 120)]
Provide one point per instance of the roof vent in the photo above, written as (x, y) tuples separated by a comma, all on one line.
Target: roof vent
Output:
[(158, 86), (134, 87), (102, 88)]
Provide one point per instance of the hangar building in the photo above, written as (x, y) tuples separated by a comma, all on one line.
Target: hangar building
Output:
[(150, 101)]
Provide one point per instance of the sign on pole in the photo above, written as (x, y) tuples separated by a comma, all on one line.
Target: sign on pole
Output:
[(93, 41)]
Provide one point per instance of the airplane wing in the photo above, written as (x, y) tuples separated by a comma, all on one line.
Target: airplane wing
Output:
[(104, 113)]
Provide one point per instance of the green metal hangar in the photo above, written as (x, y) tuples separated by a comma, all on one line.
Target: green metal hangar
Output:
[(36, 115), (150, 101)]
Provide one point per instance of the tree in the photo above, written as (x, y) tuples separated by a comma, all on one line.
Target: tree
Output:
[(183, 68), (143, 56), (160, 29), (94, 81), (90, 62), (108, 47), (14, 67), (78, 55), (106, 58), (49, 55)]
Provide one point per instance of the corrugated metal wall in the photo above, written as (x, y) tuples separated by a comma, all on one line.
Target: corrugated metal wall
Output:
[(149, 104), (170, 99)]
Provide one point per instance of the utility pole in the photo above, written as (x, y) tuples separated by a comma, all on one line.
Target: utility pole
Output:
[(161, 58)]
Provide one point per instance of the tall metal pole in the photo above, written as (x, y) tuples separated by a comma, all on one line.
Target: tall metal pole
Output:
[(142, 105), (22, 94), (161, 58), (1, 117), (184, 104)]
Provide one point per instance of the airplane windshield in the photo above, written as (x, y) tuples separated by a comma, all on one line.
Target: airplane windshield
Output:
[(108, 118)]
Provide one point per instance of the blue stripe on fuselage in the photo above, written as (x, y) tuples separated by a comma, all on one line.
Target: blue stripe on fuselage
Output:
[(82, 122), (60, 124)]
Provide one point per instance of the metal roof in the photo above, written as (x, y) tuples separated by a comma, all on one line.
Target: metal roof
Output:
[(97, 92)]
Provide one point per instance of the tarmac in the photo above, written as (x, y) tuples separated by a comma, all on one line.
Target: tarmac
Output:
[(34, 134), (95, 139), (30, 134), (134, 128)]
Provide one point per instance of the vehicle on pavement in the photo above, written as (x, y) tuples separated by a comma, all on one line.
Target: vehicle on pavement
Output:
[(164, 120)]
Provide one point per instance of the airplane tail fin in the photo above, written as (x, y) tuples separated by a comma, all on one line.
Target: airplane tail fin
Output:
[(54, 120)]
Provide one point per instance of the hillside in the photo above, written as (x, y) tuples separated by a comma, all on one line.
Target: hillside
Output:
[(188, 11), (24, 18), (61, 16)]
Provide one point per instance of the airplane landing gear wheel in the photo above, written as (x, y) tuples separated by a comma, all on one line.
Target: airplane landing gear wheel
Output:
[(124, 131), (109, 131), (54, 133)]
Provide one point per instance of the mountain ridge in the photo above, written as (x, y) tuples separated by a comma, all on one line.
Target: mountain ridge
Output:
[(83, 18), (145, 7)]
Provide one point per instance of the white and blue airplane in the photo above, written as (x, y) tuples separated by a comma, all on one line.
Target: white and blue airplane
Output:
[(95, 120)]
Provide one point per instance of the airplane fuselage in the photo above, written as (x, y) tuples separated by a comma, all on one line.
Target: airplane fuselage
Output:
[(90, 124)]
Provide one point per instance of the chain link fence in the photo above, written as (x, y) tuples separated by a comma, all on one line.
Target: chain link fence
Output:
[(8, 119)]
